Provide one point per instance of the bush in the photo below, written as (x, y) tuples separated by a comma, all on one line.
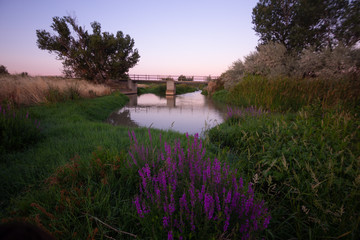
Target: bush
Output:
[(3, 70), (184, 78), (234, 75), (184, 195), (273, 61), (270, 60), (329, 63)]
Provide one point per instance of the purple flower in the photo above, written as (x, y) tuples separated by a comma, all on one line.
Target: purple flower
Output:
[(183, 203), (138, 206), (209, 205), (172, 204), (170, 235), (172, 172), (165, 222)]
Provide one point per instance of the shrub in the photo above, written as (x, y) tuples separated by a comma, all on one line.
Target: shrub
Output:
[(234, 75), (184, 78), (183, 195), (3, 70), (271, 60), (328, 63)]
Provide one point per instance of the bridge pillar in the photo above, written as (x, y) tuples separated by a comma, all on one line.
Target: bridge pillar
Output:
[(171, 101), (170, 87), (132, 85)]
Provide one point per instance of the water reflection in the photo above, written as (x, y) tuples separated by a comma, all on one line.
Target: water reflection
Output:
[(191, 113)]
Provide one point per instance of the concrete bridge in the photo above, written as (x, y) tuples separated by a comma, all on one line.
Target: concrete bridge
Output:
[(170, 80)]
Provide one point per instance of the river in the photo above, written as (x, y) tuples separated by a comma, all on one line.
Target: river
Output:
[(187, 113)]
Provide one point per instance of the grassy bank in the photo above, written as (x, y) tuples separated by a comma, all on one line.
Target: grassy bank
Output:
[(284, 94), (304, 161), (68, 129), (75, 173), (160, 89)]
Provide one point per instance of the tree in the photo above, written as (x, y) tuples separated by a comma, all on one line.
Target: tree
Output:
[(303, 23), (3, 70), (96, 57), (349, 34)]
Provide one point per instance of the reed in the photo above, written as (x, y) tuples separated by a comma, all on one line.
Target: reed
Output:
[(288, 94)]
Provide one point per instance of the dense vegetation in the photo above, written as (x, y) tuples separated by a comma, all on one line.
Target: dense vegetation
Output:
[(160, 89), (293, 125), (299, 140), (299, 24), (285, 164)]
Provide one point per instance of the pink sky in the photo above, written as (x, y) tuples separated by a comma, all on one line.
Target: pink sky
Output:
[(173, 37)]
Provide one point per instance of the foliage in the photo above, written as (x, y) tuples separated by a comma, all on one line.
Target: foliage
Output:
[(233, 75), (184, 78), (298, 161), (160, 89), (337, 63), (78, 196), (221, 96), (183, 195), (273, 61), (3, 70), (286, 94), (350, 31), (300, 24), (270, 60), (96, 57), (54, 94), (67, 129), (17, 130)]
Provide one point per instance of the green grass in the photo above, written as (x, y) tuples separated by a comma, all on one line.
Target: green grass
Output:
[(305, 164), (284, 94), (76, 173), (70, 128), (306, 167), (305, 161)]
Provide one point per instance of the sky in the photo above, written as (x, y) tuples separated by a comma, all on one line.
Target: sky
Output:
[(173, 37)]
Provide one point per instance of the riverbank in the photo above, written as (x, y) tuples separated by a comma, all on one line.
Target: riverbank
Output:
[(73, 133), (76, 181), (301, 150)]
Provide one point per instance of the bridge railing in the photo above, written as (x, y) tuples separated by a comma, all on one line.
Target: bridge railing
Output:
[(145, 77)]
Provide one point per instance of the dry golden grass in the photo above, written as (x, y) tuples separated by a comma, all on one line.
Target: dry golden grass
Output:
[(33, 90)]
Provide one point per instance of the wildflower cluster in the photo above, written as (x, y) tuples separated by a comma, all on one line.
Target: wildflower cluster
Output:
[(186, 195), (17, 129)]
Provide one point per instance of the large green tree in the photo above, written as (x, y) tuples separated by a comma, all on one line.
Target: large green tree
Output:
[(302, 23), (97, 56)]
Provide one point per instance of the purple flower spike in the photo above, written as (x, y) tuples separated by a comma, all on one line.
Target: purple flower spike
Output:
[(170, 235), (184, 190), (138, 206)]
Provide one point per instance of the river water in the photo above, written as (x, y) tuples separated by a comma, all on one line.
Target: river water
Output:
[(187, 113)]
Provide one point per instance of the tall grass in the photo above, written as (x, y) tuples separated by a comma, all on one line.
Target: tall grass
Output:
[(306, 165), (27, 90), (284, 94)]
